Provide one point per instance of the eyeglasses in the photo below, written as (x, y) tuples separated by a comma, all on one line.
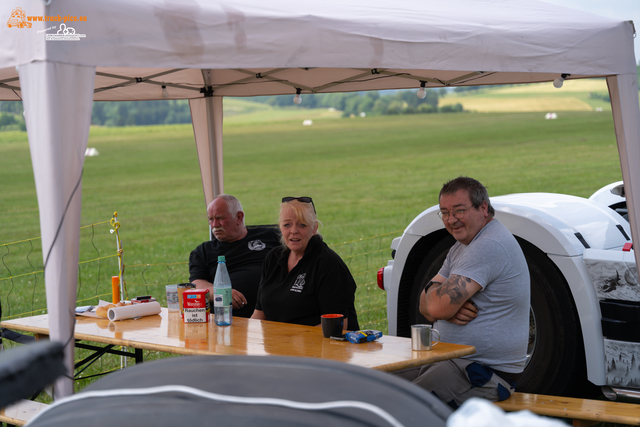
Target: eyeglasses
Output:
[(300, 199), (457, 214)]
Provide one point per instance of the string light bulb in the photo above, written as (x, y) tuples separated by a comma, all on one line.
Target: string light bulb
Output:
[(557, 83), (297, 99), (422, 92), (165, 92)]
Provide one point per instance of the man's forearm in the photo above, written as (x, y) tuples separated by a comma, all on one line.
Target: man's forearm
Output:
[(204, 284), (423, 300), (449, 300)]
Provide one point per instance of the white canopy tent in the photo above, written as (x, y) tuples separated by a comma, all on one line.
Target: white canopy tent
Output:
[(204, 50)]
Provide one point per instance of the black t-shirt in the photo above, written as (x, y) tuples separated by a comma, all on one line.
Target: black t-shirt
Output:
[(244, 259), (319, 284)]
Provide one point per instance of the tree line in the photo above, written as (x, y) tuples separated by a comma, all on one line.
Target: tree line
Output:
[(137, 113), (374, 102), (134, 113)]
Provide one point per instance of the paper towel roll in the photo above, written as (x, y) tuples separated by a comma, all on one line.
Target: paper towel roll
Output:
[(135, 310)]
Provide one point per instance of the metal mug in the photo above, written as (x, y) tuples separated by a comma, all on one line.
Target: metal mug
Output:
[(422, 337)]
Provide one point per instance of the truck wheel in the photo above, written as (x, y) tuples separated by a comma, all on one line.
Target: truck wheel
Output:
[(555, 357)]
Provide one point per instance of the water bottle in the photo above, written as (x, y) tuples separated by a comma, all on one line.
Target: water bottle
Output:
[(222, 294)]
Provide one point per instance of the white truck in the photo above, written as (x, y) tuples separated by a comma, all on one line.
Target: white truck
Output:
[(585, 296)]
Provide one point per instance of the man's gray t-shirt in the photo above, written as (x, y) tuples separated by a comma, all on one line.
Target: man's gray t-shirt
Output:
[(500, 333)]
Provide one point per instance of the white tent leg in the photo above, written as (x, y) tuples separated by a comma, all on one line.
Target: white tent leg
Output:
[(206, 116), (57, 101), (623, 90)]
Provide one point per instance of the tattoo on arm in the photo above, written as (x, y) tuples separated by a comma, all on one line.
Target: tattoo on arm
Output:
[(456, 288)]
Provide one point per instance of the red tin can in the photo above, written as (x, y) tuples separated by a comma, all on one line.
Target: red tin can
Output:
[(196, 306)]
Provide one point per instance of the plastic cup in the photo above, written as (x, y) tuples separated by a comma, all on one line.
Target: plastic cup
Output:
[(173, 304), (181, 288)]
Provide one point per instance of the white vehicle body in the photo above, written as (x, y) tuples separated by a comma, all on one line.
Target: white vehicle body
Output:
[(586, 240)]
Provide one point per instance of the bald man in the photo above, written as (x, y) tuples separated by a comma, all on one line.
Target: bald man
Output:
[(244, 250)]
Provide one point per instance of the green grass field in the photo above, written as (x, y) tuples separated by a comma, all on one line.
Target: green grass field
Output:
[(369, 178)]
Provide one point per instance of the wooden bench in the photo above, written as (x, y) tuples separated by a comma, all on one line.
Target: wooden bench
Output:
[(20, 412), (583, 412)]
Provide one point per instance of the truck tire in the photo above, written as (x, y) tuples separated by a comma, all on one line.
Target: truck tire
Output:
[(555, 357)]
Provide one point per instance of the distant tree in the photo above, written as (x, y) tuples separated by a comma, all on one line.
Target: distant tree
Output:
[(600, 96), (11, 115), (426, 109), (7, 119), (354, 103), (11, 107), (134, 113), (452, 108)]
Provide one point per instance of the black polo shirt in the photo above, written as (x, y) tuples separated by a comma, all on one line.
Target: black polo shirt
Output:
[(244, 259)]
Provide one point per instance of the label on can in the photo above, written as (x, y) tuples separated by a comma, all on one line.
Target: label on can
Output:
[(222, 297), (172, 298), (196, 315)]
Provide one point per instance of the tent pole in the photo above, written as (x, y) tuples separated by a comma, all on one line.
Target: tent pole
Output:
[(623, 91), (206, 118), (57, 100)]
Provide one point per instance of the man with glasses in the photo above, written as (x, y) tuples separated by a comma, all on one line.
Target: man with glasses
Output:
[(479, 297), (244, 249)]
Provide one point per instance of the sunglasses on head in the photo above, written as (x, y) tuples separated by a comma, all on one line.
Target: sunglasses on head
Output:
[(300, 199)]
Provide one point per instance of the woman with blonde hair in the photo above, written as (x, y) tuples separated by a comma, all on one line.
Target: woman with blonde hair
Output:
[(304, 279)]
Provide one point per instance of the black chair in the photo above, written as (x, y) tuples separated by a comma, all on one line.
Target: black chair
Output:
[(25, 370)]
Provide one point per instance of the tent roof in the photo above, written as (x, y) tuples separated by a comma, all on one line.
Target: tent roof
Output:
[(265, 48)]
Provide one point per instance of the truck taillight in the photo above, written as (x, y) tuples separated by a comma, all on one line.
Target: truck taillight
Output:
[(381, 278)]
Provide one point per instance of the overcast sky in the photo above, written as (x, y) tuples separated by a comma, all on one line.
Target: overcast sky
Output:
[(618, 9)]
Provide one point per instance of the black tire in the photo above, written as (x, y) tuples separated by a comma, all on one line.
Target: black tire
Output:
[(556, 361)]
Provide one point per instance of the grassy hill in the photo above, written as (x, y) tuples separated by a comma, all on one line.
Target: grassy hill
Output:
[(244, 111), (575, 95)]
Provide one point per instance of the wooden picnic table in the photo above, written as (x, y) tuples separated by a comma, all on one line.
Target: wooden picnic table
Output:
[(167, 332)]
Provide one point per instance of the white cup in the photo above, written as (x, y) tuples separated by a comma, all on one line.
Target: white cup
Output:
[(422, 337)]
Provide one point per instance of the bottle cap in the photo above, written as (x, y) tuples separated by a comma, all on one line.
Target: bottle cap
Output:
[(221, 258)]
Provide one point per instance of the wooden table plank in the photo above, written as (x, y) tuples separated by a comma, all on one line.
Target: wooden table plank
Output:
[(167, 333), (20, 412), (578, 409)]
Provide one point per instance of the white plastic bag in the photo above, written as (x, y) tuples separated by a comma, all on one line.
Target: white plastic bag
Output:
[(477, 412)]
